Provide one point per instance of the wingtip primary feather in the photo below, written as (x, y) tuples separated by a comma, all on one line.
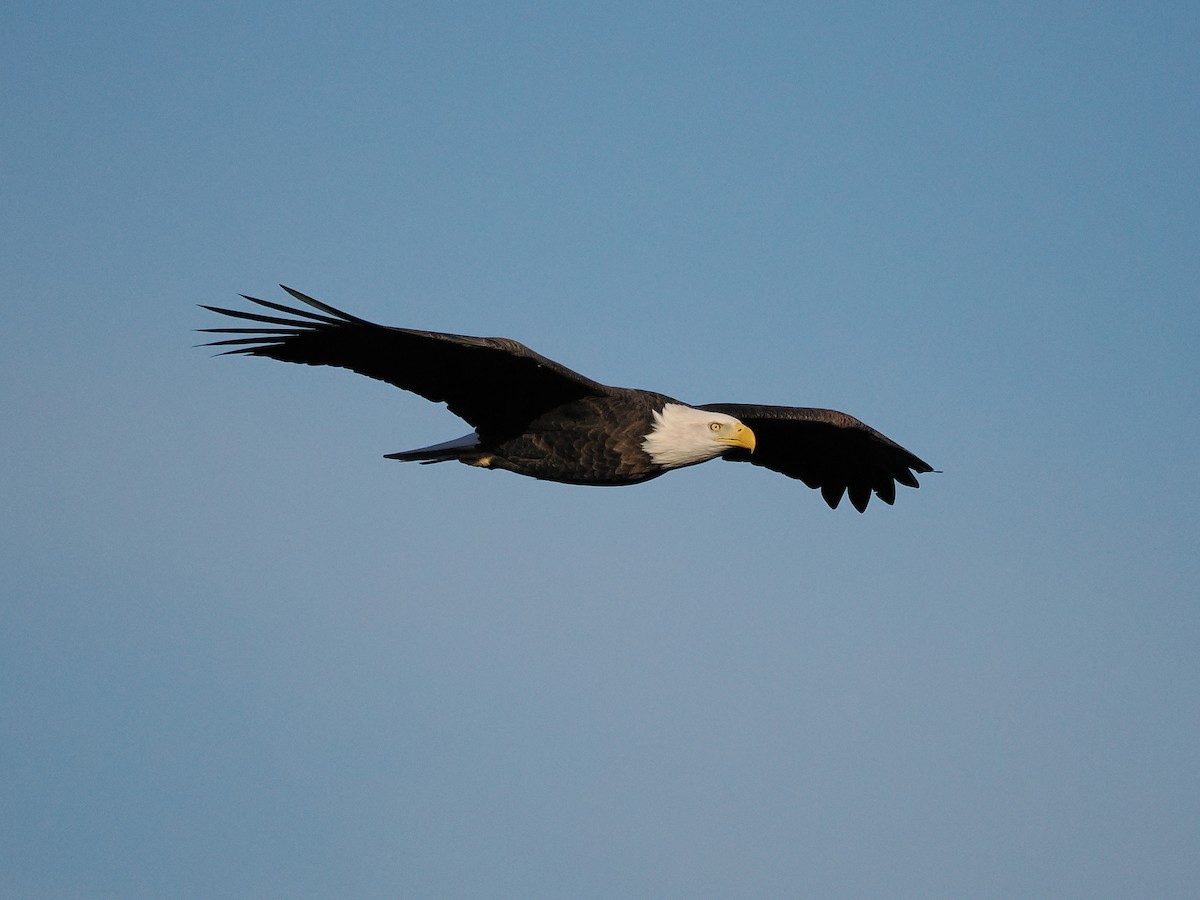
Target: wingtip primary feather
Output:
[(885, 490), (291, 311), (324, 307), (270, 320), (832, 494)]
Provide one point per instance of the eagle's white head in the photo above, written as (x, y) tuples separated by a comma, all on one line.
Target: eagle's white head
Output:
[(683, 435)]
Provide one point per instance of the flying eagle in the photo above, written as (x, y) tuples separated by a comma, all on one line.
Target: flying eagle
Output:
[(536, 417)]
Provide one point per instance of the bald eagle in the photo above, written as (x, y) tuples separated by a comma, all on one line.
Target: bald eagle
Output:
[(534, 416)]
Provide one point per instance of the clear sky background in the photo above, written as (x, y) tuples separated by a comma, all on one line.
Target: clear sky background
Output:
[(242, 655)]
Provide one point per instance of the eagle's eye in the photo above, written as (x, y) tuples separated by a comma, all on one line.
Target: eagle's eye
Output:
[(714, 426)]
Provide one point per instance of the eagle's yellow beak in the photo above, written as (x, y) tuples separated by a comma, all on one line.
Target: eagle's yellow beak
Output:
[(742, 437)]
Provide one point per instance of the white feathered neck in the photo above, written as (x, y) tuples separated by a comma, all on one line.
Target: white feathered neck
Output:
[(683, 435)]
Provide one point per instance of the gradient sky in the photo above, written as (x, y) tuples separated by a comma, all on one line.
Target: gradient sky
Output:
[(242, 655)]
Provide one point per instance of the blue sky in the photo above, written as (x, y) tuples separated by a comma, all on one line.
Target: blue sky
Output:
[(243, 655)]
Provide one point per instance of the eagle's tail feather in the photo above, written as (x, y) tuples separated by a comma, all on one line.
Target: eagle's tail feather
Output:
[(455, 449)]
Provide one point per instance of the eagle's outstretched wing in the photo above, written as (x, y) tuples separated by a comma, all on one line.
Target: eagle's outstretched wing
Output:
[(495, 384), (825, 449)]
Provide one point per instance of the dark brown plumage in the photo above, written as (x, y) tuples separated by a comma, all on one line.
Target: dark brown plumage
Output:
[(536, 417), (841, 454)]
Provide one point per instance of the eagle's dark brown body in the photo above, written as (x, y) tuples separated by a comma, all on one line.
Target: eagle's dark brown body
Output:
[(534, 416), (595, 440)]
